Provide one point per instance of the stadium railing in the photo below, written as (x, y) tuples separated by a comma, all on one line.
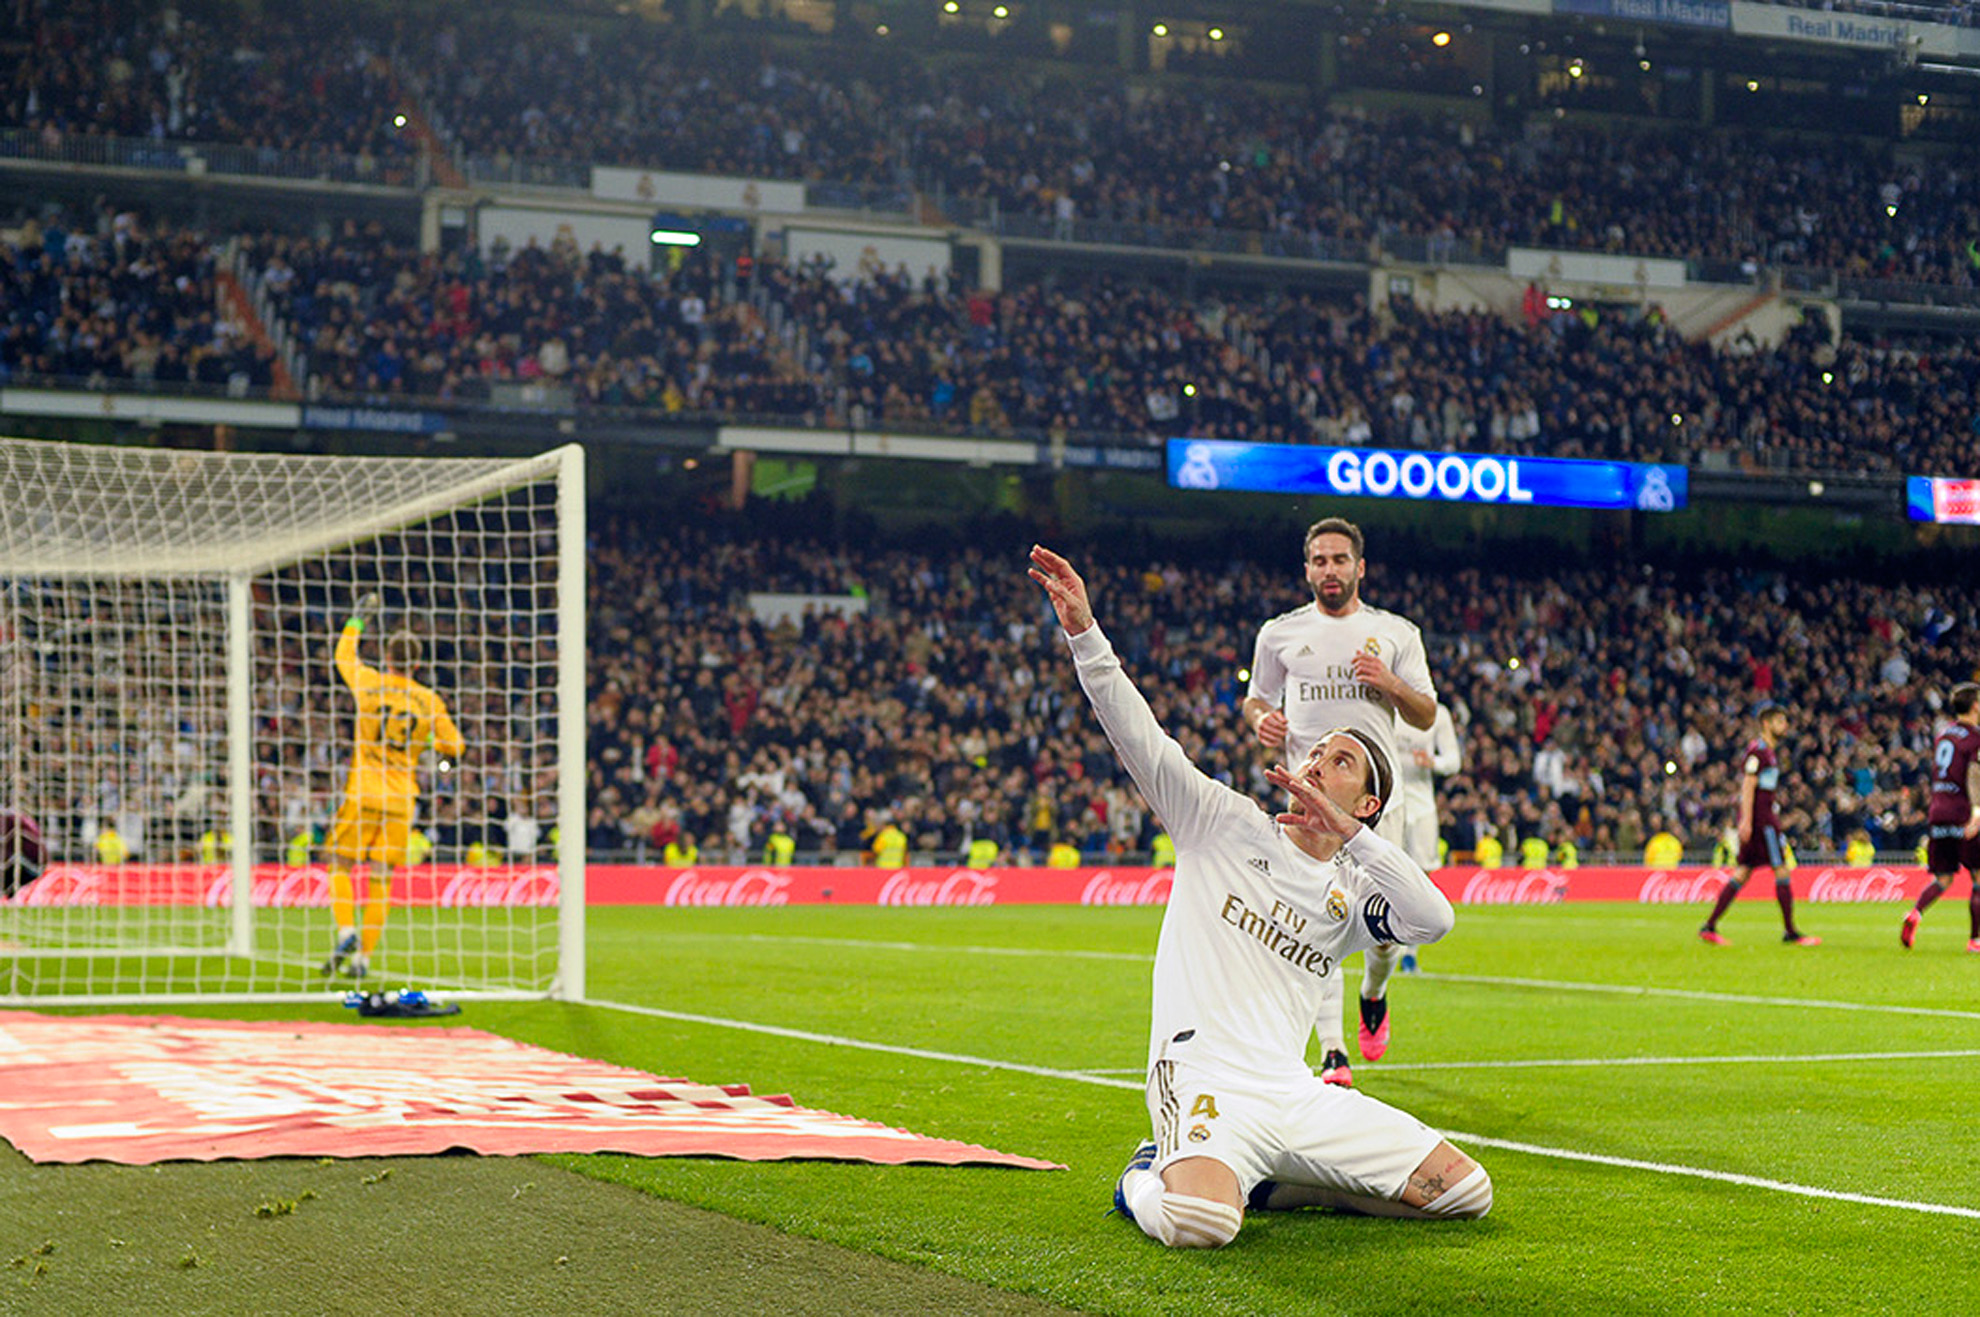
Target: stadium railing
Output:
[(199, 158)]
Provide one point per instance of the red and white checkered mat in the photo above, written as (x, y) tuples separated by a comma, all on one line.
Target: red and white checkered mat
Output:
[(143, 1089)]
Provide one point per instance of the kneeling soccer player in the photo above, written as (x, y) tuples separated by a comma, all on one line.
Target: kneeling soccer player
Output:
[(1261, 913)]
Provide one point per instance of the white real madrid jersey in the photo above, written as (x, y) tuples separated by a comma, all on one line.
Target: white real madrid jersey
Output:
[(1255, 925), (1304, 662)]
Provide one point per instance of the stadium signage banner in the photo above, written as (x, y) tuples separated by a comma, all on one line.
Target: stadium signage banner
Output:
[(1855, 31), (1937, 498), (382, 420), (948, 885), (696, 191), (1677, 13), (1436, 477), (449, 885), (1095, 455)]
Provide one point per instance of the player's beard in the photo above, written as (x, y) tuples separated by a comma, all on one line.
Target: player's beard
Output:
[(1333, 596)]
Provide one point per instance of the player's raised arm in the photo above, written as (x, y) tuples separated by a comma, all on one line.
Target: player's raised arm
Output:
[(1184, 799), (349, 666), (1064, 588)]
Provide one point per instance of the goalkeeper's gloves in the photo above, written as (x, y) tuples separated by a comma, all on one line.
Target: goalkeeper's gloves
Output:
[(366, 608)]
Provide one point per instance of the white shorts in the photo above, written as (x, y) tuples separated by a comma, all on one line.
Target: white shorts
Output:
[(1293, 1131), (1419, 839)]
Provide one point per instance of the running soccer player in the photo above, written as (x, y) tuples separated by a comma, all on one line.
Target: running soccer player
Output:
[(1340, 662), (397, 720), (1952, 824), (1261, 912), (1759, 832)]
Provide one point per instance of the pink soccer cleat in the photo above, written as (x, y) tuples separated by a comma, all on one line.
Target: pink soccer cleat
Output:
[(1334, 1069), (1909, 933), (1374, 1035), (1801, 939), (1974, 944), (1714, 936)]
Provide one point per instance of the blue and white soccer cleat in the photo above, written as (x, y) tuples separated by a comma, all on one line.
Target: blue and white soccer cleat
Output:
[(1143, 1159)]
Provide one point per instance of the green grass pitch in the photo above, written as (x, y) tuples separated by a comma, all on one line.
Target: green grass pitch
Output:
[(1578, 1031)]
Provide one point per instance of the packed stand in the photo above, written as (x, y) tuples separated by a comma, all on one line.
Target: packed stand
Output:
[(1089, 358), (107, 301), (947, 709), (1057, 148), (292, 79)]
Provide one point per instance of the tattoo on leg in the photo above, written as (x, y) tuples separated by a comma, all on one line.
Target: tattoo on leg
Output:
[(1428, 1185)]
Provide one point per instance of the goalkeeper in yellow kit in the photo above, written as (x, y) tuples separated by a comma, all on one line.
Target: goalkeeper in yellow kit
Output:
[(397, 720)]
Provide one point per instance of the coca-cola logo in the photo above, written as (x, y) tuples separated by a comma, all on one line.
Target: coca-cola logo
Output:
[(1513, 887), (62, 884), (1852, 885), (1106, 887), (750, 887), (533, 886), (1665, 888), (961, 887)]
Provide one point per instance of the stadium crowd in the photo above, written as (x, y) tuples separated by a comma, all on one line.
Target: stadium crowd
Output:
[(105, 299), (109, 300), (1219, 154), (1106, 358), (920, 691), (297, 79), (1589, 713)]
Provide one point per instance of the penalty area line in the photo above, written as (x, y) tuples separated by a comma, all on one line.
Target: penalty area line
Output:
[(1104, 1081)]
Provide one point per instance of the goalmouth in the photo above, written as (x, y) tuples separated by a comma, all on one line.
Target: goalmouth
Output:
[(175, 737)]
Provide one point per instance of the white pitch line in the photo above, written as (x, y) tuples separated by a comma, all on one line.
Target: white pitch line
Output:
[(835, 1040), (1490, 980), (1724, 1177), (1603, 1062), (1691, 994), (1103, 1081), (872, 944)]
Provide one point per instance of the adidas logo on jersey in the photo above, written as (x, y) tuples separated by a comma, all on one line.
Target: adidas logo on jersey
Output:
[(1305, 651)]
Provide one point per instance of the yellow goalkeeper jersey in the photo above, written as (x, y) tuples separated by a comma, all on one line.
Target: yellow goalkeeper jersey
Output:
[(398, 719)]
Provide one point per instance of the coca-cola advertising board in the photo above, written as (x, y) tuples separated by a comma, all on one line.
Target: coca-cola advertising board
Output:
[(920, 885)]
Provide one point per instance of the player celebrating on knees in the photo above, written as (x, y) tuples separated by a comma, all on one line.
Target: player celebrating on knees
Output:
[(1952, 823), (1760, 844), (1340, 662), (1261, 913), (397, 719)]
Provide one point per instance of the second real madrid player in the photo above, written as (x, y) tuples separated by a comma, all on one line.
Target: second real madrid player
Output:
[(1339, 662), (1262, 910)]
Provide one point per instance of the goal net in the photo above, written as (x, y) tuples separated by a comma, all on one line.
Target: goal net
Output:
[(177, 739)]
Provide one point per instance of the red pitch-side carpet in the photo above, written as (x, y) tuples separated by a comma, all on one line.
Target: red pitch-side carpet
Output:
[(144, 1089)]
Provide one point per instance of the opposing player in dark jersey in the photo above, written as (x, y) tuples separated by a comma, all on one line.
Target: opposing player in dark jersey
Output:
[(1760, 842), (1952, 824)]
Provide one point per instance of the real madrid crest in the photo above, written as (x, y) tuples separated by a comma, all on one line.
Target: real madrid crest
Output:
[(1337, 906)]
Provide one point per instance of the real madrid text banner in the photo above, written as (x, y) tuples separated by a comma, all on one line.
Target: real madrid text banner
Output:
[(1439, 477)]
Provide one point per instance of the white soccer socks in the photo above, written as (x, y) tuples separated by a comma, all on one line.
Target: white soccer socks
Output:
[(1377, 964), (1178, 1220)]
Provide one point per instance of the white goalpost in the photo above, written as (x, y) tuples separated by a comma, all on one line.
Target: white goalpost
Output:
[(175, 732)]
